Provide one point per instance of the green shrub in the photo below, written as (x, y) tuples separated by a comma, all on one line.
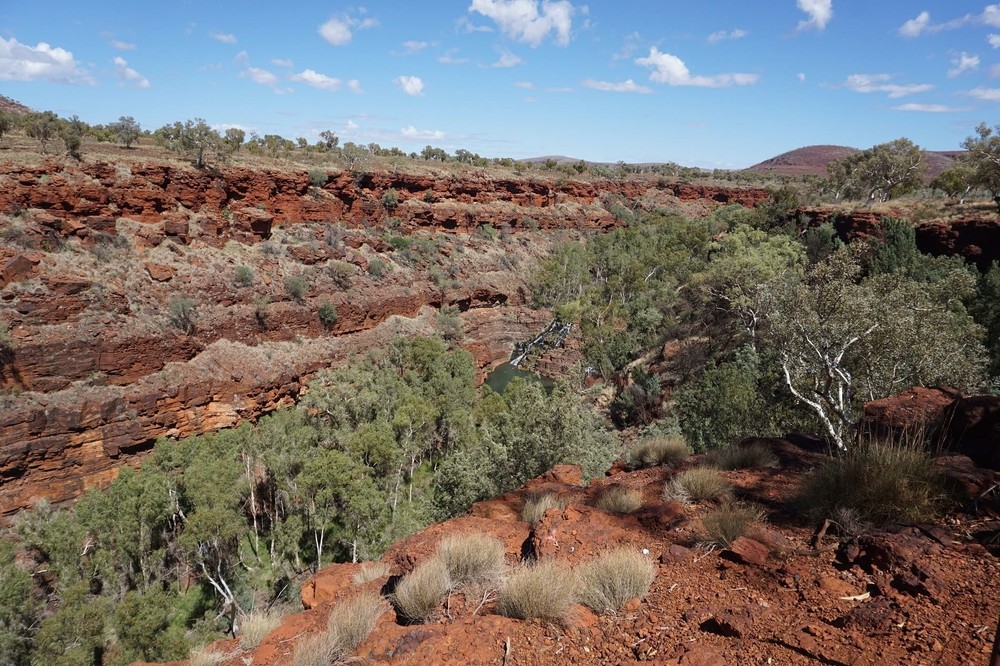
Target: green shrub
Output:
[(535, 506), (390, 198), (317, 177), (6, 340), (728, 522), (341, 273), (327, 315), (487, 231), (611, 579), (546, 590), (244, 276), (297, 287), (377, 268), (698, 484), (260, 305), (878, 482), (472, 559), (619, 499), (658, 450), (752, 455), (419, 592), (181, 312)]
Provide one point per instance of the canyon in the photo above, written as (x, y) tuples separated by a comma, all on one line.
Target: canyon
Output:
[(100, 260)]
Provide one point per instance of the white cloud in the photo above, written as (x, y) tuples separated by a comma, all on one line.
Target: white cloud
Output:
[(223, 37), (264, 78), (354, 86), (411, 85), (819, 11), (412, 132), (963, 63), (801, 76), (611, 86), (525, 85), (413, 46), (507, 59), (633, 42), (720, 35), (985, 94), (871, 83), (671, 70), (128, 76), (317, 80), (465, 25), (339, 30), (991, 16), (282, 62), (993, 40), (922, 24), (242, 59), (521, 20), (915, 26), (926, 108), (42, 62), (122, 46), (450, 58)]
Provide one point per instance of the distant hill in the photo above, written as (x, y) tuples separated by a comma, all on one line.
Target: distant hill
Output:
[(812, 161), (7, 104), (558, 159)]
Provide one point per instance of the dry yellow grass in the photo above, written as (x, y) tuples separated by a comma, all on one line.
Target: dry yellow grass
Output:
[(545, 590), (418, 595), (696, 485), (614, 577), (619, 499), (536, 506), (472, 559)]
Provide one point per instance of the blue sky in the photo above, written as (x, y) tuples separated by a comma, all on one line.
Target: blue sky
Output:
[(716, 83)]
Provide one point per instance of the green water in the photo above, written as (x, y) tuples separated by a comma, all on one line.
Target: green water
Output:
[(505, 373)]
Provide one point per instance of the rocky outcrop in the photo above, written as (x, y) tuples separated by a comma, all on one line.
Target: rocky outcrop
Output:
[(975, 238), (940, 418), (244, 204), (773, 595)]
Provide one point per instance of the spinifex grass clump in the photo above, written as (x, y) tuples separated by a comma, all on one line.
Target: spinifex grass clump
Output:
[(619, 499), (544, 590), (611, 579), (349, 623), (729, 521), (698, 484), (419, 593), (472, 559), (878, 482), (742, 457), (255, 626), (658, 450), (535, 506)]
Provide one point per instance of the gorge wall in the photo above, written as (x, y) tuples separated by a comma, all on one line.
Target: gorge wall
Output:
[(147, 301)]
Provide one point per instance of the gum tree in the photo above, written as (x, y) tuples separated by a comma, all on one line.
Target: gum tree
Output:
[(844, 339)]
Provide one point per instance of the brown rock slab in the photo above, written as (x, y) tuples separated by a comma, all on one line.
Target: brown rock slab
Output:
[(160, 272), (746, 551)]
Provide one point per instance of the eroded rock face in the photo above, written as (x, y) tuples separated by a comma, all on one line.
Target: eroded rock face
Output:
[(752, 602), (966, 425), (245, 203)]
